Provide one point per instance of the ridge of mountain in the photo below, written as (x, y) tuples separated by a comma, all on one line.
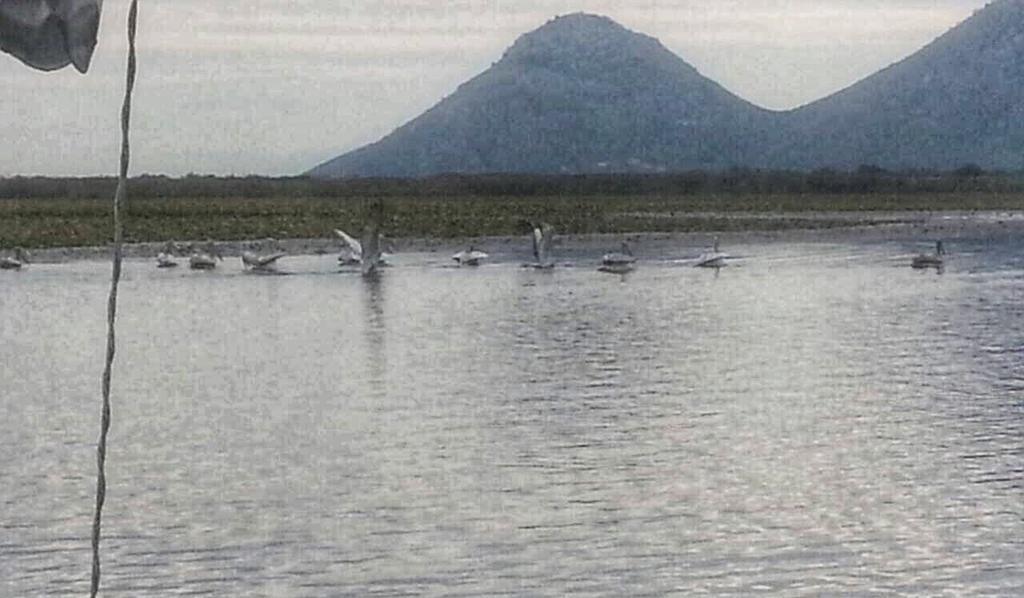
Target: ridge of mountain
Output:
[(583, 94)]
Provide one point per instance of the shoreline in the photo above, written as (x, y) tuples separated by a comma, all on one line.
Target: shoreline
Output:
[(863, 227)]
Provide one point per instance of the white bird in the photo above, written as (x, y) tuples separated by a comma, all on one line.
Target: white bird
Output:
[(711, 259), (618, 261), (205, 259), (262, 263), (470, 257), (929, 260), (625, 256), (352, 250), (543, 235), (20, 258), (50, 34), (165, 259)]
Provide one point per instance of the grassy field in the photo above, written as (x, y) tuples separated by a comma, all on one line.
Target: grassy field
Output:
[(86, 222)]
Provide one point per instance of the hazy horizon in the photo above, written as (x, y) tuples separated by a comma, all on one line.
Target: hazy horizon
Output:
[(260, 88)]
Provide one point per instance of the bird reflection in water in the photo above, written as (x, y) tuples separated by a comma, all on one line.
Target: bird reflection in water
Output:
[(376, 333), (371, 243), (620, 272)]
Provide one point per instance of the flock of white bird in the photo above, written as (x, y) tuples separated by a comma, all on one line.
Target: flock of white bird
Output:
[(261, 257), (51, 34)]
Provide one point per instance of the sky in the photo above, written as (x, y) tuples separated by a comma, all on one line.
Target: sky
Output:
[(237, 87)]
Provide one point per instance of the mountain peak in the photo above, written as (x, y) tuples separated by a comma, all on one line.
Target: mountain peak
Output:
[(579, 27), (581, 93), (580, 21), (581, 39)]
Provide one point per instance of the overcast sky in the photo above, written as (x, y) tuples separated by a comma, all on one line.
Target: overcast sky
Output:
[(275, 87)]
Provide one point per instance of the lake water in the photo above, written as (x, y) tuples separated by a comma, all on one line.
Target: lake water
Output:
[(817, 419)]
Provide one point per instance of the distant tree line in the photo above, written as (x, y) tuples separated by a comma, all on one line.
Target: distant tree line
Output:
[(866, 179)]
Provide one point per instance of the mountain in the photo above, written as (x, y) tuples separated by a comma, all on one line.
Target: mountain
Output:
[(579, 94), (583, 94), (959, 100)]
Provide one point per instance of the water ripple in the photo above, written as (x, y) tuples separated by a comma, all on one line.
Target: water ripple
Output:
[(820, 421)]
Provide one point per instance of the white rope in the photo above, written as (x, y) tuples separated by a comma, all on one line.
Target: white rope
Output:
[(119, 195)]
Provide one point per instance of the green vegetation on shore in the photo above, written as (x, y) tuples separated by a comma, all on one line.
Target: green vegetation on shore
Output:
[(86, 222), (60, 212)]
